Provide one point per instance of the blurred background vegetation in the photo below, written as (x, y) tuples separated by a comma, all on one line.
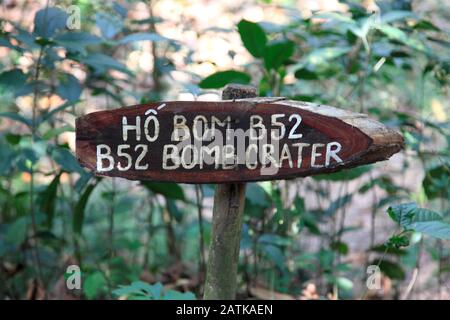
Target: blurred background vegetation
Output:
[(309, 238)]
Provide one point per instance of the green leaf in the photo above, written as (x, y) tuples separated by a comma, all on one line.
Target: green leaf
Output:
[(335, 16), (397, 241), (222, 78), (397, 15), (13, 139), (411, 217), (77, 41), (142, 36), (344, 175), (168, 189), (49, 20), (102, 63), (54, 132), (397, 34), (47, 200), (277, 54), (66, 160), (338, 203), (436, 183), (274, 239), (17, 231), (139, 290), (275, 255), (391, 269), (44, 117), (12, 79), (323, 55), (69, 88), (306, 74), (80, 207), (109, 24), (426, 25), (253, 37), (176, 295), (94, 285), (344, 283), (15, 117), (256, 195), (340, 247)]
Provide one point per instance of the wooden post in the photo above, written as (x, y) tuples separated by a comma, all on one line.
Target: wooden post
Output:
[(229, 200)]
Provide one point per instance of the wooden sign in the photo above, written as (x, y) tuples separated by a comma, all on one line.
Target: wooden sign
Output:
[(229, 141)]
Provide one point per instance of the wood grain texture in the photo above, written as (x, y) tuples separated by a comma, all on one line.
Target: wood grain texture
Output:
[(364, 140)]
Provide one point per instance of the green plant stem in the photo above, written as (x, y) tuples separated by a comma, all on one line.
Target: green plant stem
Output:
[(111, 218), (37, 258)]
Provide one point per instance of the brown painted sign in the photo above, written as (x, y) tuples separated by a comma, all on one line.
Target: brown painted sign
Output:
[(229, 141)]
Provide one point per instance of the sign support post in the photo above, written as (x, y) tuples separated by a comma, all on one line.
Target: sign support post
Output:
[(229, 200)]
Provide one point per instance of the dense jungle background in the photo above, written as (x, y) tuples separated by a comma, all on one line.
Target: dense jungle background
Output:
[(322, 237)]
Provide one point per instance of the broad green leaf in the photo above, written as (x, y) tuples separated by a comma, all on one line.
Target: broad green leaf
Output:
[(69, 88), (222, 78), (405, 214), (54, 132), (253, 37), (277, 53), (94, 285), (80, 207), (66, 160), (274, 239), (142, 36), (14, 82), (77, 41), (15, 117), (256, 195), (48, 199), (168, 189), (411, 217), (397, 15), (48, 21), (344, 175), (176, 295), (437, 229), (335, 16), (109, 24), (173, 210), (340, 247), (17, 231), (13, 139), (140, 290), (436, 182), (337, 204), (426, 25), (323, 55), (275, 255), (305, 74), (12, 79), (391, 269), (4, 42), (46, 116), (397, 34), (397, 241), (344, 283), (102, 63)]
